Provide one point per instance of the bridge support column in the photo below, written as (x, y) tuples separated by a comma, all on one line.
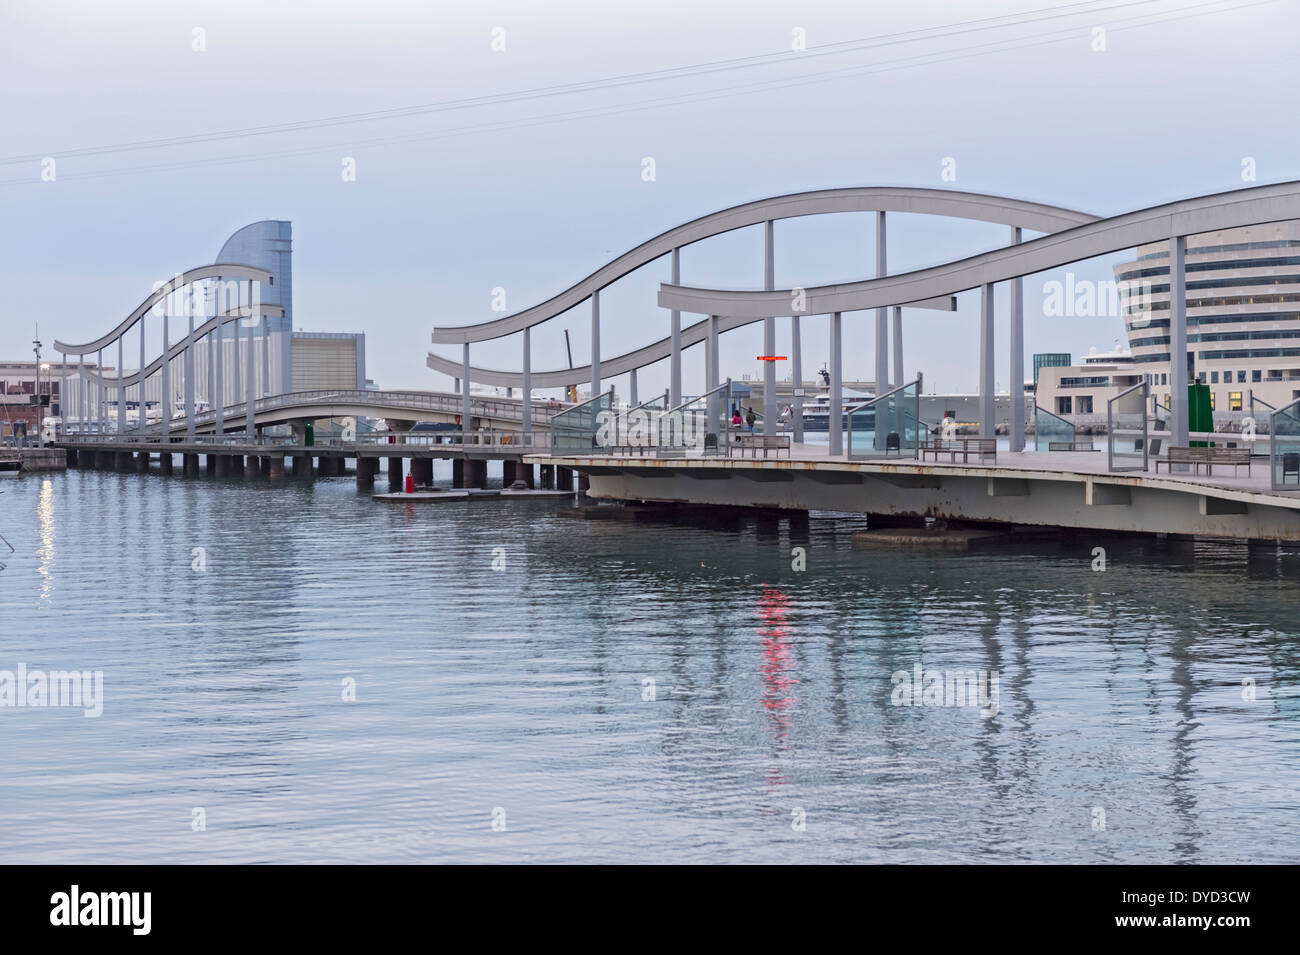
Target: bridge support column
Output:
[(769, 331), (276, 472), (563, 478), (210, 464), (584, 484), (365, 472), (264, 465), (251, 466), (458, 472), (675, 333), (142, 462), (526, 410), (711, 366), (835, 422), (524, 472), (1016, 379), (165, 464), (422, 471), (221, 464), (1178, 373), (988, 402), (882, 320), (796, 379), (394, 474), (476, 473), (190, 464), (122, 460), (466, 424), (896, 342), (595, 343), (507, 473), (548, 476), (302, 465)]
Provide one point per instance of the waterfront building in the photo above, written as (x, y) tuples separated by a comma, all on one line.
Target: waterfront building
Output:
[(1243, 326)]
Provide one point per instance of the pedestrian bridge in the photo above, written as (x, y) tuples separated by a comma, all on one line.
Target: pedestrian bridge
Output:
[(400, 409)]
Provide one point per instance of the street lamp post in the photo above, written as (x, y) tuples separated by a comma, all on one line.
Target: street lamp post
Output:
[(40, 416)]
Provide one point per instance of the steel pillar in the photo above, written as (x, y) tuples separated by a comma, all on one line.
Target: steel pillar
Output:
[(675, 359), (988, 402), (1016, 378), (796, 378), (769, 331), (465, 426), (526, 412), (1178, 376), (595, 343), (882, 318), (835, 425)]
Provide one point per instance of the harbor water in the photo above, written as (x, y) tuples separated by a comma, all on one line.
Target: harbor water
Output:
[(293, 672)]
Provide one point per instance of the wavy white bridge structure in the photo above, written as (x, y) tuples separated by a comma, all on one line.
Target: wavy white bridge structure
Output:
[(1069, 236)]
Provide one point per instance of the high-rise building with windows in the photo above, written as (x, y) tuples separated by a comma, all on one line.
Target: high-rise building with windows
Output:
[(1243, 325), (1243, 313)]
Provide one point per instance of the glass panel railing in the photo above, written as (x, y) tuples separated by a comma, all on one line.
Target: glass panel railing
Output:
[(696, 426), (886, 425), (1284, 459), (1128, 442), (1049, 429), (584, 428), (637, 428)]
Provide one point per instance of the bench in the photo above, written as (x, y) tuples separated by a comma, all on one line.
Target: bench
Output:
[(1207, 458), (982, 448), (762, 442), (1070, 446)]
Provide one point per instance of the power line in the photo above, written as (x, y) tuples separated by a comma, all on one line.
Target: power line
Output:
[(961, 28), (900, 63)]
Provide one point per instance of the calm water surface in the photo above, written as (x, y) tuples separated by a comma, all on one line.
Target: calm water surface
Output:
[(523, 690)]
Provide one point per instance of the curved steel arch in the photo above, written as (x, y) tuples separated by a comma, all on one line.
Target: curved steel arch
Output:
[(216, 271), (945, 202), (178, 348), (1210, 213)]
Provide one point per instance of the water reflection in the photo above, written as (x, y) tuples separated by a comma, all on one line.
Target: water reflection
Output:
[(45, 548)]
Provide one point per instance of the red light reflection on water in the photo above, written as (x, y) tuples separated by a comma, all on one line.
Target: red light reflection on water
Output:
[(777, 671)]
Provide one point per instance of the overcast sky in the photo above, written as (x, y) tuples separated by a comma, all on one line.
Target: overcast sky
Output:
[(530, 194)]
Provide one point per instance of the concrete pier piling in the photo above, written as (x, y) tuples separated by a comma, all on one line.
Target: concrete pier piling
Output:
[(394, 474), (189, 464), (302, 465), (507, 473), (366, 472), (142, 462), (458, 472), (422, 471), (220, 464), (548, 477), (165, 464), (275, 469), (210, 464), (526, 473), (563, 478), (252, 468)]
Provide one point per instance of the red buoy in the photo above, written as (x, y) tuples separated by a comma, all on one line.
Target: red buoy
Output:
[(410, 484)]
